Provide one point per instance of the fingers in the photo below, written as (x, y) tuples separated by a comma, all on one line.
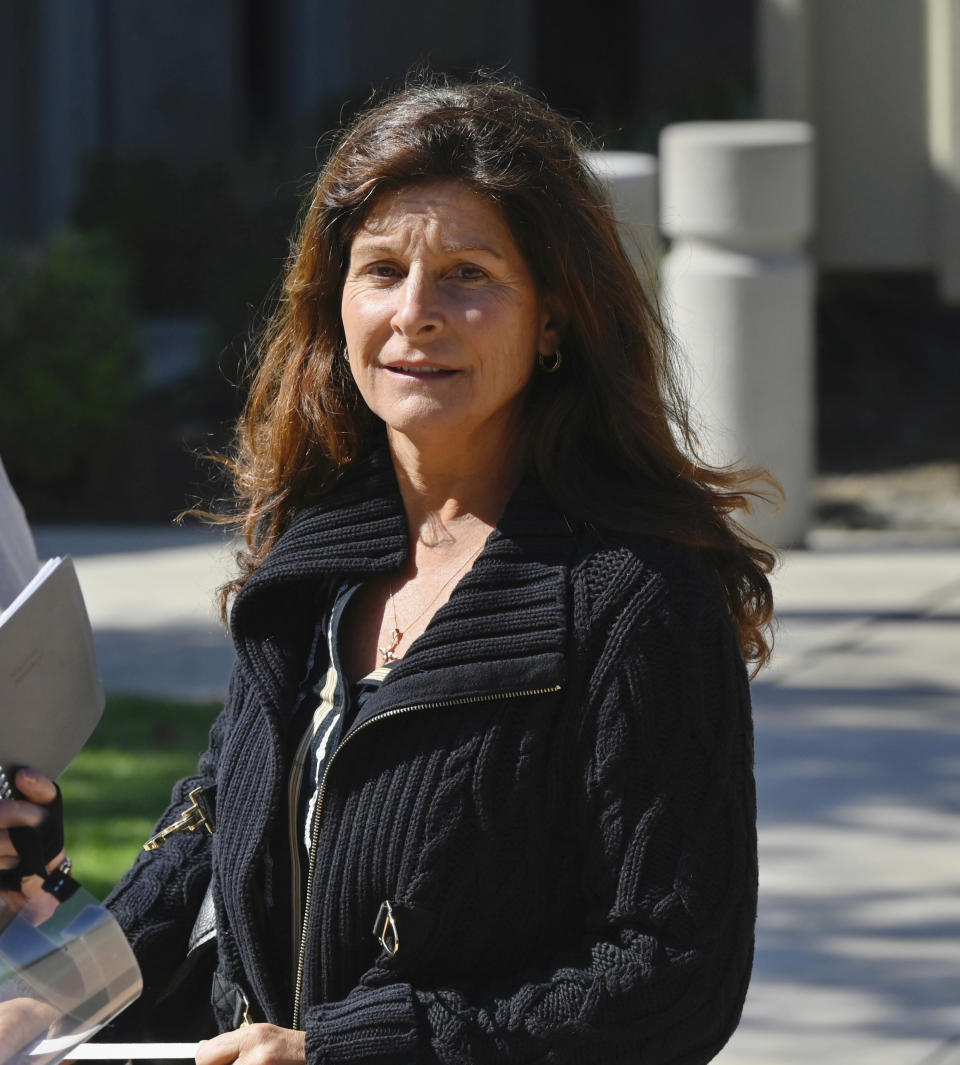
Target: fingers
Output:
[(55, 863), (22, 1020), (35, 786), (28, 812), (23, 813), (257, 1044), (221, 1050), (15, 812)]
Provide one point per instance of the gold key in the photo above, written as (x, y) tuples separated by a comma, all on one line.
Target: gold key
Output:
[(190, 820)]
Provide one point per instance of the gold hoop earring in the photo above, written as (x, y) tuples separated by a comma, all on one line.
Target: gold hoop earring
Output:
[(550, 363)]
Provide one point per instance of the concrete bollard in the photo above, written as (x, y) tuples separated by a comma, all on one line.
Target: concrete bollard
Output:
[(631, 179), (737, 201)]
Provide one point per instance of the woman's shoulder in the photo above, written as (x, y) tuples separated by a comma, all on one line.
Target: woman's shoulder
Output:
[(646, 576), (651, 612)]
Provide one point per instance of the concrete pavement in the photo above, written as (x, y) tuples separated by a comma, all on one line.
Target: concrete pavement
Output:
[(150, 593), (858, 770)]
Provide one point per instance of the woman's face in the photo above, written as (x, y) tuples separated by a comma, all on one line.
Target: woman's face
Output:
[(442, 317)]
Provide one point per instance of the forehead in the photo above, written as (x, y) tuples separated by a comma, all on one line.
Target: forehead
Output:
[(448, 210)]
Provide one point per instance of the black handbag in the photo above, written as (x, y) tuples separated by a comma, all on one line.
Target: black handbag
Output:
[(184, 1008)]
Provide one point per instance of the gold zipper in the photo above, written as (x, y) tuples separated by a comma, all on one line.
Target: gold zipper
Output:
[(315, 836)]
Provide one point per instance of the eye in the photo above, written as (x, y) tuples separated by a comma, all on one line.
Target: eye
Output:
[(469, 272), (386, 271)]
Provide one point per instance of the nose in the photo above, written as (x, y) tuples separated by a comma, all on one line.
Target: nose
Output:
[(418, 306)]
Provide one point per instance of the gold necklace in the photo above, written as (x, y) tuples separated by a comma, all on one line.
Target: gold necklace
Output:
[(397, 635)]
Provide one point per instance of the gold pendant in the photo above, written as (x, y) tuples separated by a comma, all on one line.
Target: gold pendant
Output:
[(388, 656)]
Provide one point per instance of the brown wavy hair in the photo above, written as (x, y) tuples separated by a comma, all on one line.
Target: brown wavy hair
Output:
[(609, 434)]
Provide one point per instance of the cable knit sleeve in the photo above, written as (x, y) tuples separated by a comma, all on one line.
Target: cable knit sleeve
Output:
[(664, 818), (157, 901)]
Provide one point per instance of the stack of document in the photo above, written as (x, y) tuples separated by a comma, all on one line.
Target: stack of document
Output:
[(66, 968), (50, 690)]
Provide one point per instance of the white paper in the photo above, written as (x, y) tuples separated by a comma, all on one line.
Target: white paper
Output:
[(28, 589), (60, 1043), (122, 1051), (50, 689)]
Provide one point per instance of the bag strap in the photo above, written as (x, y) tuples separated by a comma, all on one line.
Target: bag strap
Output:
[(205, 926)]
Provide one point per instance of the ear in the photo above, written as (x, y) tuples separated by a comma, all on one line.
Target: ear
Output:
[(551, 328)]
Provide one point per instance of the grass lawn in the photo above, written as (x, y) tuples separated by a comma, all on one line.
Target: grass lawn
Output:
[(119, 784)]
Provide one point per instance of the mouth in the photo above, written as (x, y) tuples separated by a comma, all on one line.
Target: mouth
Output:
[(421, 372)]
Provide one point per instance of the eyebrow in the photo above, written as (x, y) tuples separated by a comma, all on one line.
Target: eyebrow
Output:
[(375, 248)]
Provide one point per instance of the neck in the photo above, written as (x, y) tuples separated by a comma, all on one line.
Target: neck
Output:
[(448, 496)]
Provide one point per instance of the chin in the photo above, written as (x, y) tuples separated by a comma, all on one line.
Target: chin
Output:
[(412, 418), (434, 432)]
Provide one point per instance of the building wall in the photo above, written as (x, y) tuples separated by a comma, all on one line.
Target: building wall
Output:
[(176, 78), (880, 81), (869, 99), (125, 77), (189, 81), (943, 124), (333, 49), (48, 114)]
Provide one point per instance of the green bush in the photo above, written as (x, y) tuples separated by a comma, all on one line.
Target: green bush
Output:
[(120, 782), (68, 355)]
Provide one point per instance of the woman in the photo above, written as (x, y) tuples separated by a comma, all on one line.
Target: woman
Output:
[(491, 622)]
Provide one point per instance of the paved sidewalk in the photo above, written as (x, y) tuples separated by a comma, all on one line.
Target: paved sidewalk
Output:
[(858, 768), (150, 592)]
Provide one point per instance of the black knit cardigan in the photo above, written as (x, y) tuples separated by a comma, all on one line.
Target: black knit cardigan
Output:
[(553, 788)]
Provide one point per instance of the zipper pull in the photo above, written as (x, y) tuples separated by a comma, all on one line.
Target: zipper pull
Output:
[(247, 1019), (188, 821), (385, 929)]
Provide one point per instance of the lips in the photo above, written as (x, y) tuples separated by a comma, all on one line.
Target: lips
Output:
[(422, 372)]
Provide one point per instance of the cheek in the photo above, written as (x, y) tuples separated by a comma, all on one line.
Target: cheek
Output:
[(510, 375), (360, 307), (361, 330), (525, 373), (518, 352)]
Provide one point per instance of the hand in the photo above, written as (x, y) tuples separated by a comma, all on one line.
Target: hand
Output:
[(256, 1044), (22, 1022), (27, 812)]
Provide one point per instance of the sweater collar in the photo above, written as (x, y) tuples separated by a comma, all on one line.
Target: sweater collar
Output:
[(503, 629)]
